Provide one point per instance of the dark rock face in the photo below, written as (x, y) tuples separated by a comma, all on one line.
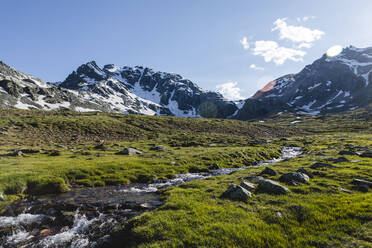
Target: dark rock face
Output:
[(329, 85)]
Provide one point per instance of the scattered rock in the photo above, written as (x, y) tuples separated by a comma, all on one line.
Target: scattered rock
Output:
[(271, 187), (304, 171), (214, 166), (345, 190), (362, 182), (344, 152), (236, 193), (129, 151), (61, 146), (341, 160), (319, 165), (157, 148), (55, 153), (258, 142), (367, 154), (294, 177), (254, 179), (101, 147), (361, 188), (248, 186), (268, 171)]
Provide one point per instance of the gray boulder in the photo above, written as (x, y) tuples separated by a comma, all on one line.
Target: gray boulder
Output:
[(367, 154), (157, 148), (129, 151), (271, 187), (304, 171), (362, 182), (236, 193), (254, 179), (294, 177), (248, 186), (319, 165), (2, 198), (268, 171), (345, 152)]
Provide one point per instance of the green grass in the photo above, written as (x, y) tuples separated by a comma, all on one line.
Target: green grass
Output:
[(316, 214)]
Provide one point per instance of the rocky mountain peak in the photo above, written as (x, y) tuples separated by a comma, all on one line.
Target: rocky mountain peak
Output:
[(329, 85)]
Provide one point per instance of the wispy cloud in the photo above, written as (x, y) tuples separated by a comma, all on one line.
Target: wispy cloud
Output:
[(296, 33), (255, 67), (230, 91), (245, 43), (271, 51), (305, 18)]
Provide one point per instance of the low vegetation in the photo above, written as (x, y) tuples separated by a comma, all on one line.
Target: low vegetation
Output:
[(50, 152)]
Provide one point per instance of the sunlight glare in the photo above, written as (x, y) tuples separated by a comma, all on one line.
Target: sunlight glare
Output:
[(334, 51)]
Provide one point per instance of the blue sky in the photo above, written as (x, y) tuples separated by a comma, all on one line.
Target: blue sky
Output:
[(236, 46)]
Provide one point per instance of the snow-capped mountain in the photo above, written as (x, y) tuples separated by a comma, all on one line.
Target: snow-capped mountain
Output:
[(19, 90), (144, 91), (329, 85), (112, 88)]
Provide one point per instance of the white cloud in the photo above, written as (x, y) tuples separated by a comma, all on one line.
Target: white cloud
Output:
[(304, 45), (230, 91), (255, 67), (245, 43), (271, 51), (296, 33), (305, 18)]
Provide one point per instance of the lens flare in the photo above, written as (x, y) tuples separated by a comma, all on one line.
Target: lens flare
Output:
[(334, 51)]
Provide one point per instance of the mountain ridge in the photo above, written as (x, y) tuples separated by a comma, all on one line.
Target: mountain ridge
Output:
[(328, 85)]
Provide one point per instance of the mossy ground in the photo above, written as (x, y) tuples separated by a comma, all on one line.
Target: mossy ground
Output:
[(316, 214)]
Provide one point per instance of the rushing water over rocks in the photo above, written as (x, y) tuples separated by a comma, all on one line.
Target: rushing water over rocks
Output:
[(85, 217)]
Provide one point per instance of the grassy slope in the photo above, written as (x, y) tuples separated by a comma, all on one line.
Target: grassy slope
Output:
[(313, 215), (188, 147), (316, 214)]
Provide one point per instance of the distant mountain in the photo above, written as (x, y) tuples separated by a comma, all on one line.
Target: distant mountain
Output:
[(329, 85), (112, 88), (144, 91), (19, 90)]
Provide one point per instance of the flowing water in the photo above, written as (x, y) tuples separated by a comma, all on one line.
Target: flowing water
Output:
[(85, 217)]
